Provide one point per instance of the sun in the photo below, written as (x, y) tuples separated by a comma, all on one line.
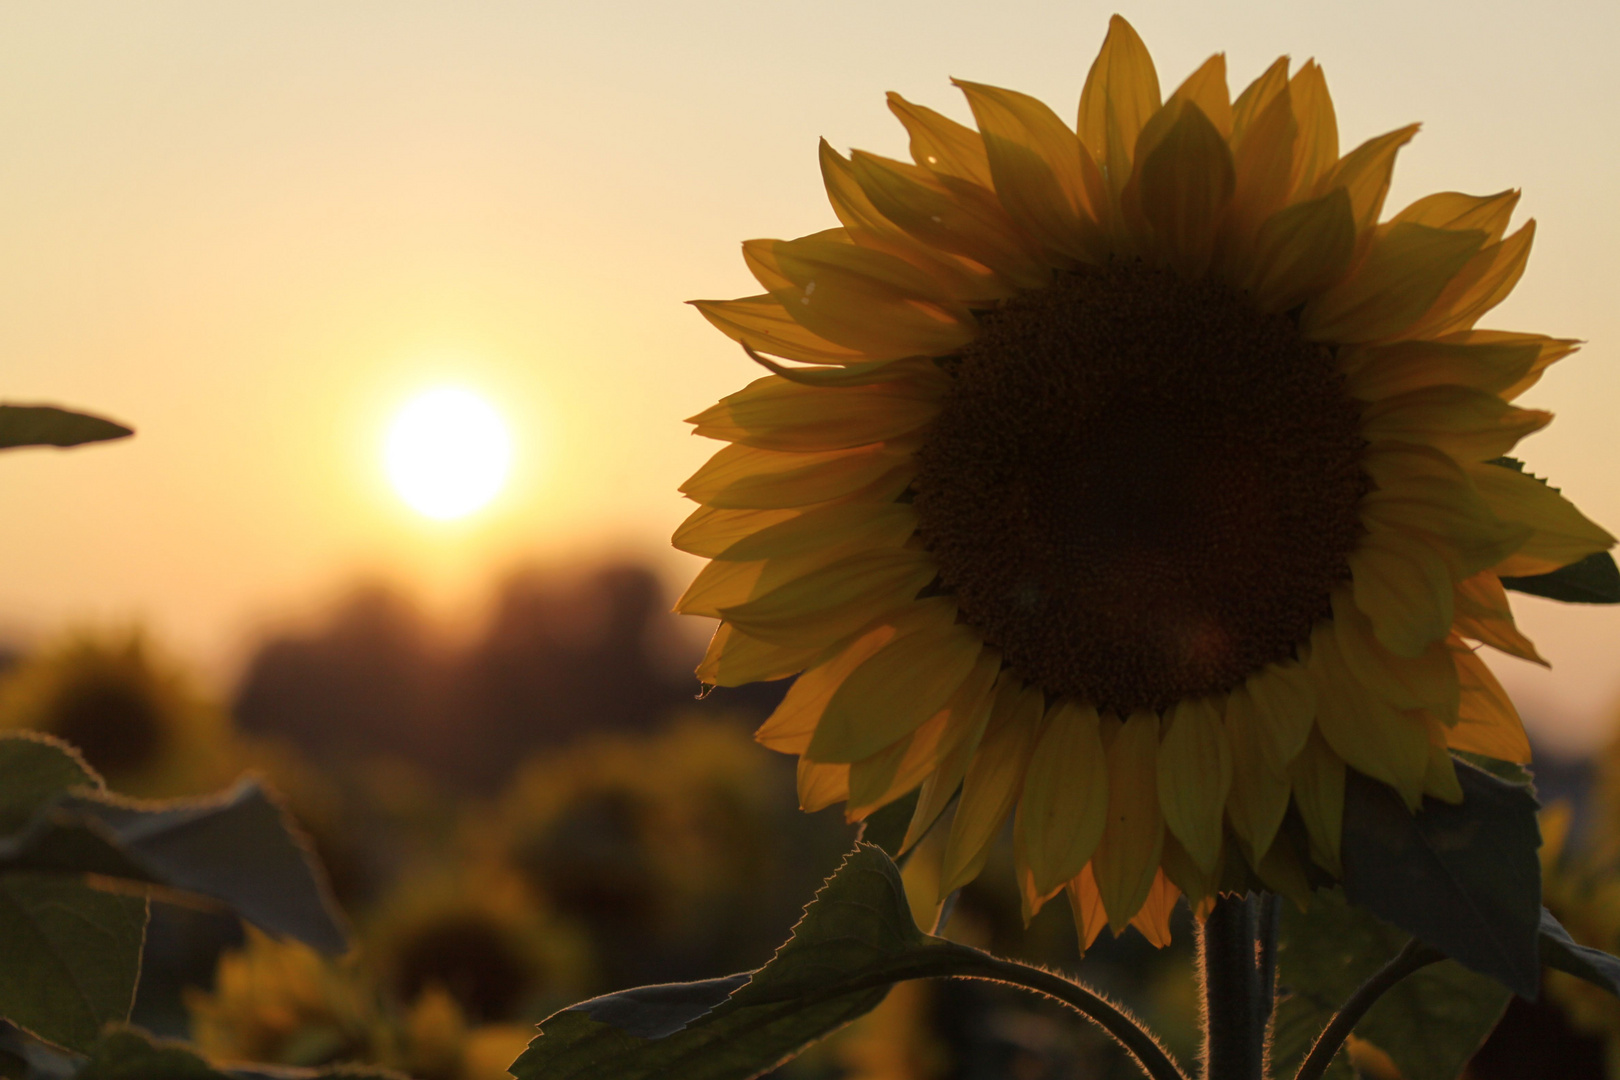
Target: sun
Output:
[(448, 453)]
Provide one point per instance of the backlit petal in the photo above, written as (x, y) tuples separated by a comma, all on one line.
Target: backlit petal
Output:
[(1120, 95), (1400, 278), (1318, 778), (994, 781), (1195, 774), (1127, 858), (1065, 798)]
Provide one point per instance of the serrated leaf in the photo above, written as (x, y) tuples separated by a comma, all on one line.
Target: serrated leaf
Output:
[(1429, 1023), (1464, 879), (855, 939), (240, 849), (1560, 951), (886, 826), (1593, 580), (47, 425), (33, 769), (70, 956)]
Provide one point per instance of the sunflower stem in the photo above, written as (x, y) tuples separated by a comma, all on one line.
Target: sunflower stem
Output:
[(1237, 947), (1414, 956)]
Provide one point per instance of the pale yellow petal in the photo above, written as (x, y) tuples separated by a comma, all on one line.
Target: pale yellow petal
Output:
[(1128, 856), (735, 659), (1318, 781), (1424, 494), (1186, 875), (1549, 351), (774, 413), (956, 752), (792, 724), (897, 689), (835, 601), (821, 785), (1065, 797), (1195, 775), (708, 531), (993, 782), (762, 323), (1403, 273), (839, 524)]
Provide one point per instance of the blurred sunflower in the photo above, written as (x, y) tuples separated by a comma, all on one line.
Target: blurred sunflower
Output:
[(134, 716), (1138, 479)]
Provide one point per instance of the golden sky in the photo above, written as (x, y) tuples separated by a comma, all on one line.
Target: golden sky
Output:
[(254, 230)]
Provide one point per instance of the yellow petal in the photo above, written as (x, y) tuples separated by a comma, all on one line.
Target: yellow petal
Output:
[(1364, 730), (1454, 210), (792, 724), (1263, 159), (1376, 372), (1154, 918), (835, 601), (1206, 88), (1065, 798), (1470, 425), (1120, 95), (1258, 795), (1484, 614), (1195, 775), (1301, 250), (762, 323), (1187, 876), (869, 227), (1128, 856), (941, 144), (993, 782), (1426, 680), (1316, 147), (1561, 534), (1549, 351), (821, 785), (859, 297), (897, 689), (724, 584), (1185, 184), (1318, 780), (1365, 173), (1405, 587), (839, 524), (1487, 722), (1282, 697), (1424, 494), (775, 414), (1480, 286), (955, 755), (1039, 169), (910, 761), (1086, 903), (735, 659), (747, 478), (970, 222), (1258, 96), (709, 531), (1401, 276)]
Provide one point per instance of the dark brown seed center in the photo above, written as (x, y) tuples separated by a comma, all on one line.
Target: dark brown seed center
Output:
[(1141, 489)]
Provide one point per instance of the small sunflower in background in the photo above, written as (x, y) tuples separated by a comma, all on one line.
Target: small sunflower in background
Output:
[(1134, 477), (134, 716)]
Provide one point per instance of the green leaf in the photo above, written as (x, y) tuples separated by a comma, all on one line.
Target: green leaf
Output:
[(1464, 879), (1430, 1023), (72, 956), (886, 826), (239, 848), (46, 425), (131, 1054), (33, 769), (1593, 580), (1560, 951), (855, 939)]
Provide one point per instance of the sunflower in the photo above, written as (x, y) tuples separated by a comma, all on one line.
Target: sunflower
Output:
[(1135, 481)]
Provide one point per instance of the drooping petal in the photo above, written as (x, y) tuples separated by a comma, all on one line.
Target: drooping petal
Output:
[(821, 785), (1195, 775), (1426, 680), (1039, 170), (896, 689), (747, 478), (735, 659), (1257, 798), (708, 531), (1120, 95), (993, 782), (773, 413), (1127, 858), (1484, 614), (1422, 493), (1086, 903), (1561, 534), (1363, 728), (1487, 722), (839, 524), (1065, 798), (1318, 780), (1401, 276), (1404, 587), (1154, 918), (1282, 705)]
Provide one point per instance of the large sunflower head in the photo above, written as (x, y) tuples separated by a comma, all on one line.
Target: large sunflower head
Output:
[(1135, 480)]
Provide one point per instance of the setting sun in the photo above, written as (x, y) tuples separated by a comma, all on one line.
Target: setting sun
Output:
[(448, 453)]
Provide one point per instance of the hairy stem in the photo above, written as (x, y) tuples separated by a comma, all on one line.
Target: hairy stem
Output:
[(1236, 964), (1414, 956), (1137, 1040)]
